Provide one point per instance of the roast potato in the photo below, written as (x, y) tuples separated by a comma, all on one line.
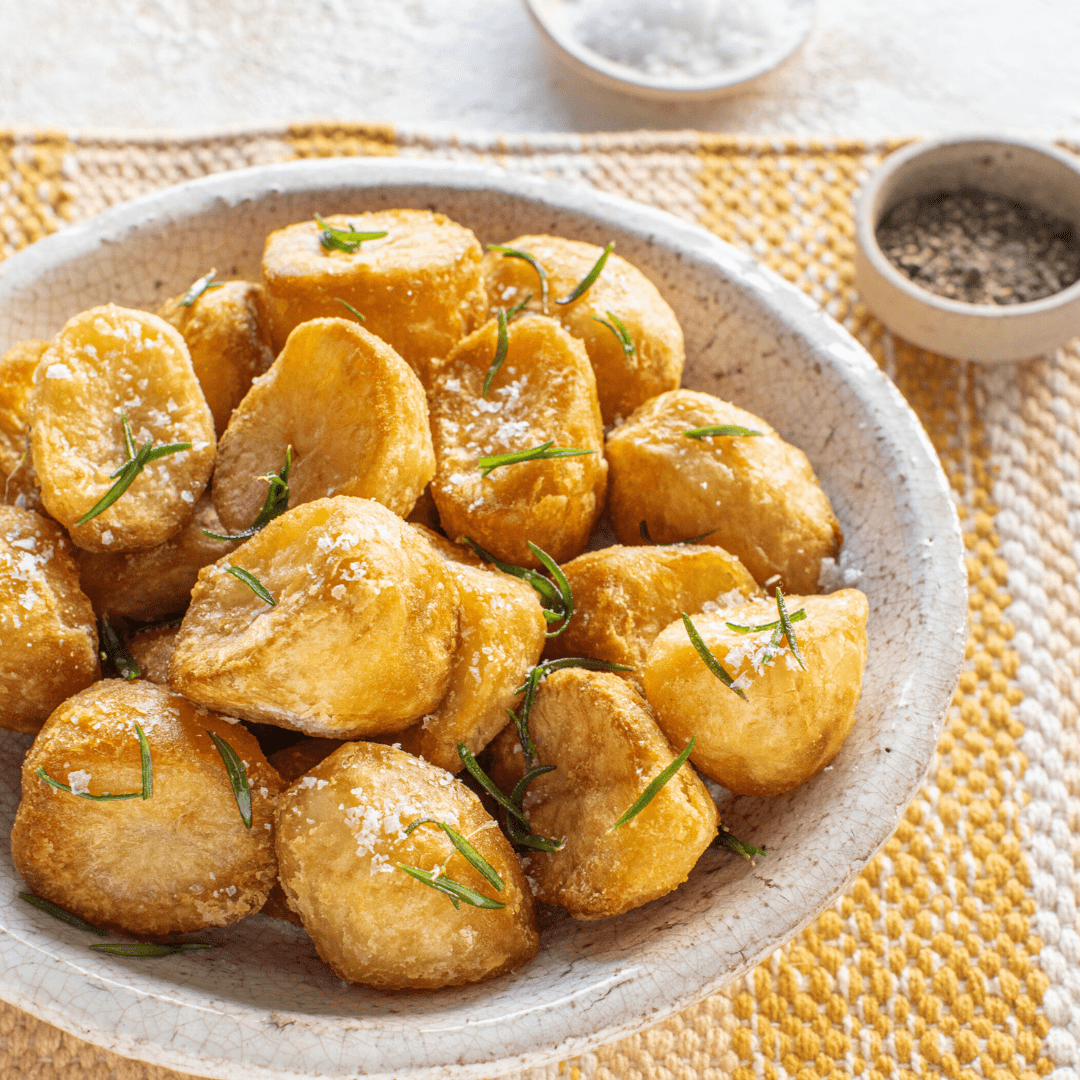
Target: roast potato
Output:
[(342, 841), (793, 720), (20, 485), (755, 495), (182, 859), (152, 650)]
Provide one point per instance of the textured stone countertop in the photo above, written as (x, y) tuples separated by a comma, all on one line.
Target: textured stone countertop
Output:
[(870, 68)]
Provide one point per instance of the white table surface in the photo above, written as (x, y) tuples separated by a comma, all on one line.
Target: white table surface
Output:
[(869, 68)]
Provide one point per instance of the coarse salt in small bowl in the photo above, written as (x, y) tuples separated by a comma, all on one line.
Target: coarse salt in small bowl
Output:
[(1033, 174)]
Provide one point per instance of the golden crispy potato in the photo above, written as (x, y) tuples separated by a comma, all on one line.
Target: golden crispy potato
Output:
[(545, 390), (341, 843), (294, 761), (152, 649), (419, 288), (624, 597), (757, 493), (48, 637), (178, 861), (360, 640), (227, 331), (606, 747), (150, 585), (353, 413), (793, 721), (622, 382), (16, 465), (106, 363), (500, 637)]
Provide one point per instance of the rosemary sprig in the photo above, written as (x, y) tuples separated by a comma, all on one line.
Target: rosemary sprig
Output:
[(238, 776), (147, 776), (348, 240), (543, 452), (58, 912), (253, 583), (125, 475), (113, 652), (471, 855), (583, 285), (457, 892), (534, 262), (617, 327), (643, 528), (274, 505), (204, 284), (655, 785), (726, 842), (516, 822), (350, 307), (707, 657), (730, 430), (500, 356), (518, 308), (149, 948)]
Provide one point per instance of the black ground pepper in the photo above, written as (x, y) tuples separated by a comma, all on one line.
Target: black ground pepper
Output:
[(980, 248)]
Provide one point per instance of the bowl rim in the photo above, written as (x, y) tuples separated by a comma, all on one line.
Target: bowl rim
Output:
[(610, 73), (827, 340), (867, 219)]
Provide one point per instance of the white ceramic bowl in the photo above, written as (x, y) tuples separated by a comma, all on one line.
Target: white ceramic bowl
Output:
[(262, 1005), (778, 35), (1027, 172)]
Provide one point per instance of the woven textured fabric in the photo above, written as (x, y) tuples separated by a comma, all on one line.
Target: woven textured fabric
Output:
[(955, 952)]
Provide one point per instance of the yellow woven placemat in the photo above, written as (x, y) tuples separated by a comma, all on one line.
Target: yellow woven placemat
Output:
[(955, 952)]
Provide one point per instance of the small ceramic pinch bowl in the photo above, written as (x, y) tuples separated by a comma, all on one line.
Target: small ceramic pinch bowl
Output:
[(262, 1006), (1034, 174)]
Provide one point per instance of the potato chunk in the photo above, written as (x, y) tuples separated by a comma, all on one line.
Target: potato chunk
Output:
[(342, 841), (361, 637), (545, 390), (20, 484), (419, 288), (757, 493), (178, 861), (606, 747), (48, 637), (793, 721), (150, 585), (500, 637), (623, 382), (624, 597), (152, 650), (227, 331), (106, 363), (353, 413)]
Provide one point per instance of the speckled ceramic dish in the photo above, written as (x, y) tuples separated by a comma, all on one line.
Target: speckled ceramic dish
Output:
[(262, 1005)]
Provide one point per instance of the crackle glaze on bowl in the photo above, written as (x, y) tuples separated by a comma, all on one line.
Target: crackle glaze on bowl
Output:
[(262, 1005)]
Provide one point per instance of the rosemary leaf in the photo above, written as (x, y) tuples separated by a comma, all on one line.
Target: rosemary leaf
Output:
[(617, 327), (40, 772), (707, 657), (582, 286), (655, 785), (146, 762), (798, 616), (518, 308), (204, 283), (129, 439), (348, 240), (149, 948), (566, 594), (544, 669), (731, 430), (113, 651), (726, 842), (252, 582), (547, 591), (238, 776), (523, 837), (274, 505), (489, 785), (472, 856), (543, 452), (454, 889), (500, 356), (58, 912), (643, 528), (351, 308), (786, 627), (534, 262)]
